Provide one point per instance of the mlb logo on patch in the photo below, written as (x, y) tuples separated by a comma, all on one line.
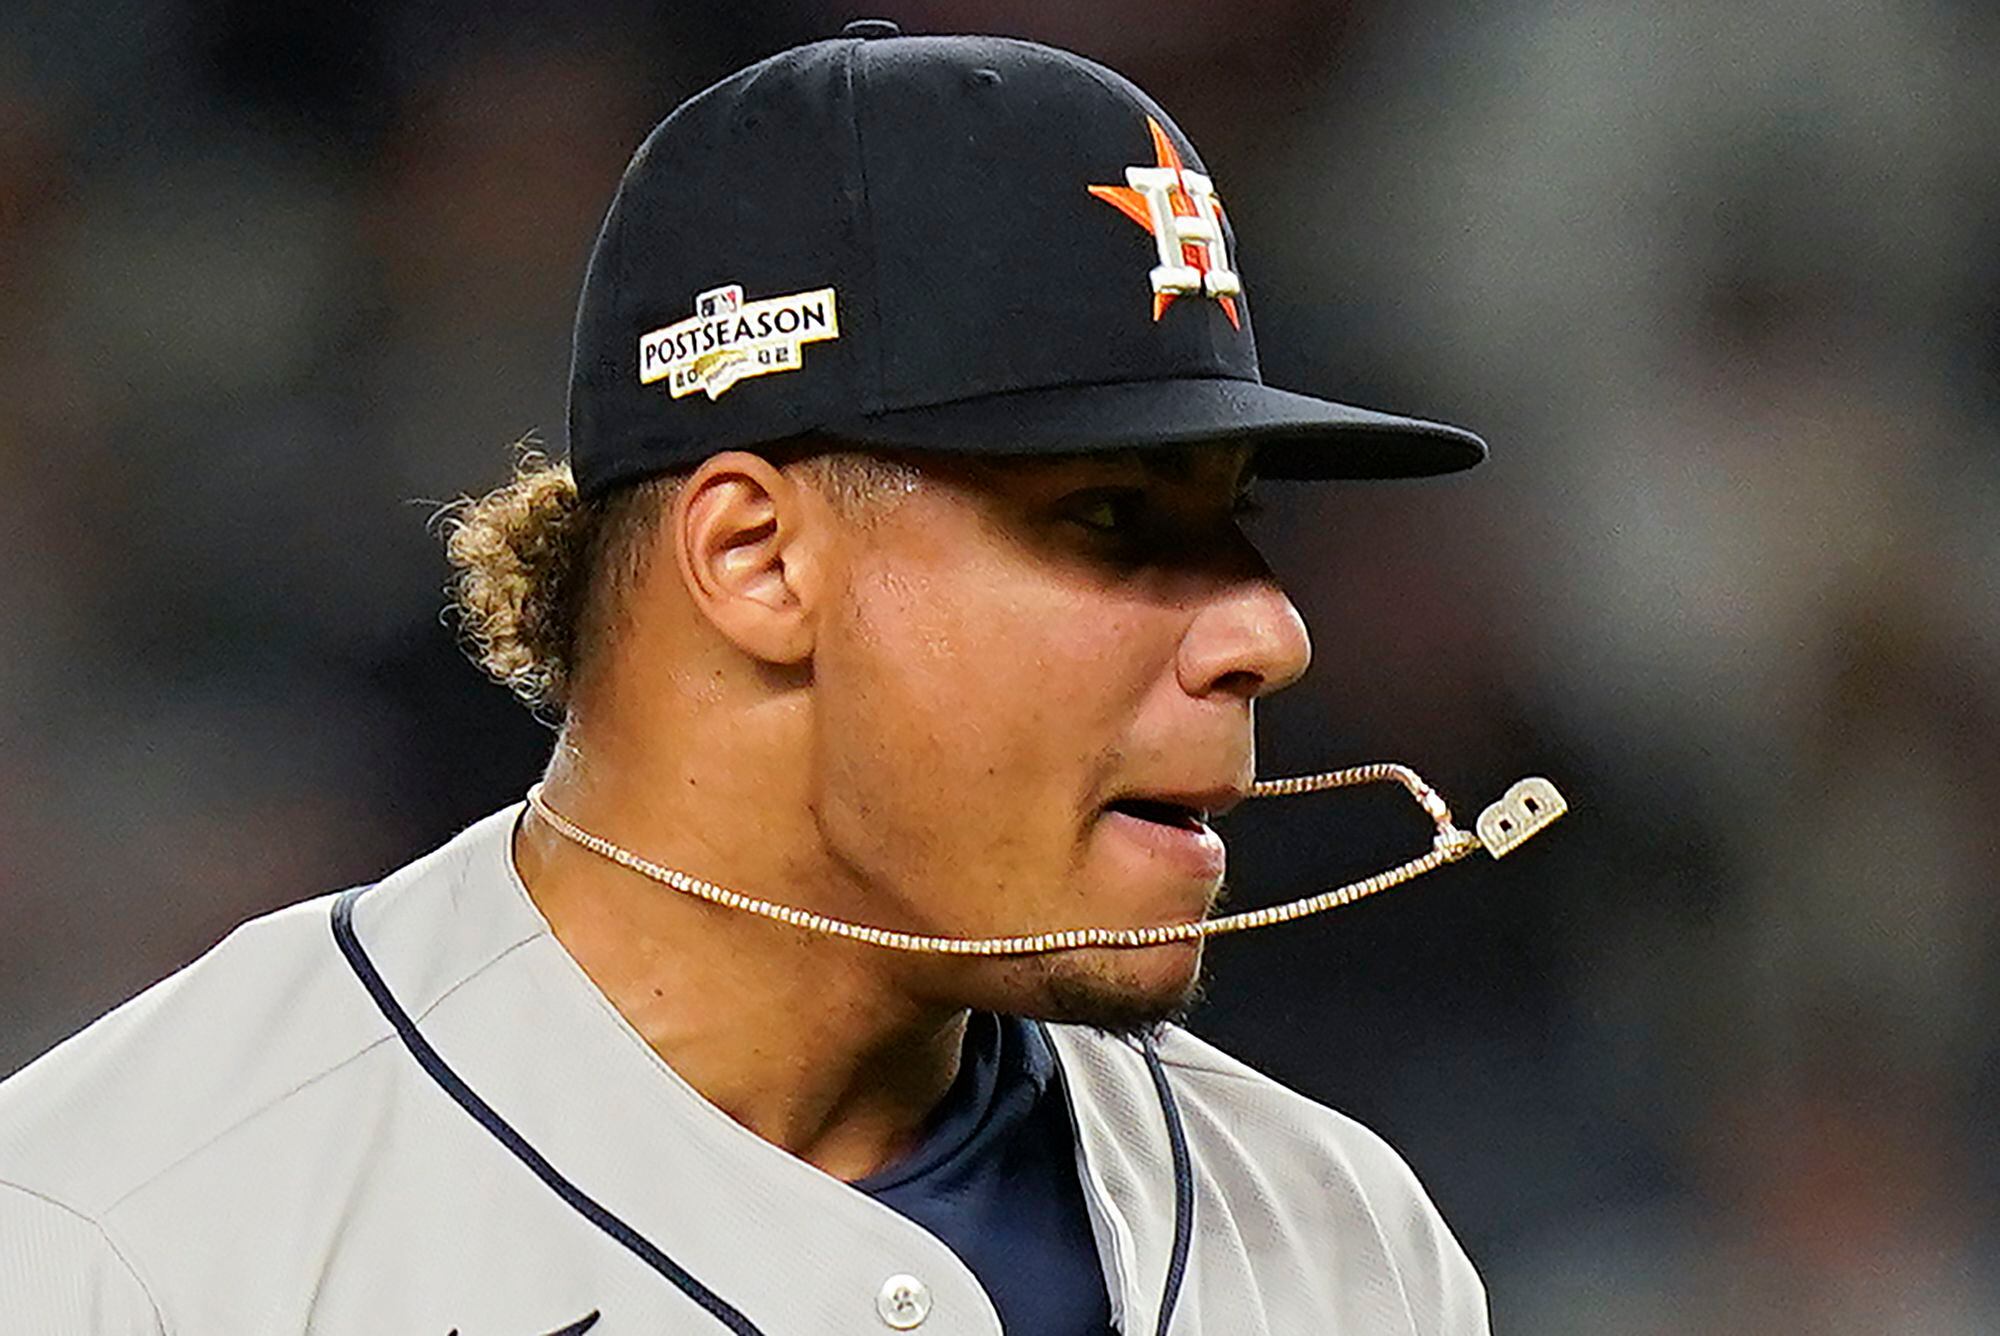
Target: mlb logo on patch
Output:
[(720, 301), (728, 339)]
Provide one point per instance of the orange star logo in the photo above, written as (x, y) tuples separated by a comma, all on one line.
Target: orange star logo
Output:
[(1180, 209)]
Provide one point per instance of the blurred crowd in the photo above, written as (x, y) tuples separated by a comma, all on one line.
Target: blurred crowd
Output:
[(1719, 281)]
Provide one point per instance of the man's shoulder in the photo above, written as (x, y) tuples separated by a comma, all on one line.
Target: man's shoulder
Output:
[(1211, 1081), (261, 1014), (270, 1013), (1265, 1151), (1220, 1094)]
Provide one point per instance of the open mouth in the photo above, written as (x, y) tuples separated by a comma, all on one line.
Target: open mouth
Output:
[(1169, 814)]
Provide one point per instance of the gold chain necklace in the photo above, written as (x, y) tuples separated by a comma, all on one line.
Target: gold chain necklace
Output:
[(1524, 810)]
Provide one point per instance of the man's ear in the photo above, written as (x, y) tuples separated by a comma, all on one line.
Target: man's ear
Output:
[(752, 547)]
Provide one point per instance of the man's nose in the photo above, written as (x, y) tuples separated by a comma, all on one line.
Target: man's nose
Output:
[(1247, 641)]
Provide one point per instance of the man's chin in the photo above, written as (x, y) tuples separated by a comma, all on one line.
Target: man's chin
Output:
[(1122, 993)]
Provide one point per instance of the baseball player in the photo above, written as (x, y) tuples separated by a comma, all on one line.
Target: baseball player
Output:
[(893, 601)]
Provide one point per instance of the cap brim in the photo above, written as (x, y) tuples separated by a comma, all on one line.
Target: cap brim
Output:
[(1297, 435)]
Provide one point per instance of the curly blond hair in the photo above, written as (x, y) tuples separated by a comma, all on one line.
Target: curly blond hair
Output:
[(538, 572)]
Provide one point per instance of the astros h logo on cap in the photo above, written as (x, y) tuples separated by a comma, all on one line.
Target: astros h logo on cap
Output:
[(1180, 209)]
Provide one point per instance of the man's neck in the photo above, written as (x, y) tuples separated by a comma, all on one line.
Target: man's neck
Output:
[(801, 1039)]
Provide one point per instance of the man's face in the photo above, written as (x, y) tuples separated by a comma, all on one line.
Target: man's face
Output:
[(1040, 676)]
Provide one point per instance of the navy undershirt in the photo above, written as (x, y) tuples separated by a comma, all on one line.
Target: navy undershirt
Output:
[(995, 1178)]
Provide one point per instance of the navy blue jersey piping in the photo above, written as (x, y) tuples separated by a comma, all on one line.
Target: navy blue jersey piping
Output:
[(579, 1201), (1183, 1184)]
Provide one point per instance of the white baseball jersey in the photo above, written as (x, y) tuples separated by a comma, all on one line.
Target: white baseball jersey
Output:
[(408, 1111)]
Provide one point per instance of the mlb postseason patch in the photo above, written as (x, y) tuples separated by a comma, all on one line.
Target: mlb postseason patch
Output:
[(728, 339)]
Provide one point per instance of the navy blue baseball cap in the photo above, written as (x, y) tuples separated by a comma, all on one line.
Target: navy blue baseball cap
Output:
[(964, 244)]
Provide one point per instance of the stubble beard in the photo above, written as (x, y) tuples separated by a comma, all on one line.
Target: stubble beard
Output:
[(1075, 993), (1095, 993)]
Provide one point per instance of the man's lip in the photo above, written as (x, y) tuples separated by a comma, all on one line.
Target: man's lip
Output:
[(1195, 847)]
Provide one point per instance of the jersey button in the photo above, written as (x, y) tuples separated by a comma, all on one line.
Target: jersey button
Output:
[(904, 1302)]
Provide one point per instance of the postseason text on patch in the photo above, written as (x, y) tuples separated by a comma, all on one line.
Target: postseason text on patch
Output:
[(728, 339)]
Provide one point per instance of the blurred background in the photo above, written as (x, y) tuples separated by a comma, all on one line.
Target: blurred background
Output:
[(1719, 279)]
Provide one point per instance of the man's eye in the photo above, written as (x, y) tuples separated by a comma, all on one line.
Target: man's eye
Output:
[(1107, 512)]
